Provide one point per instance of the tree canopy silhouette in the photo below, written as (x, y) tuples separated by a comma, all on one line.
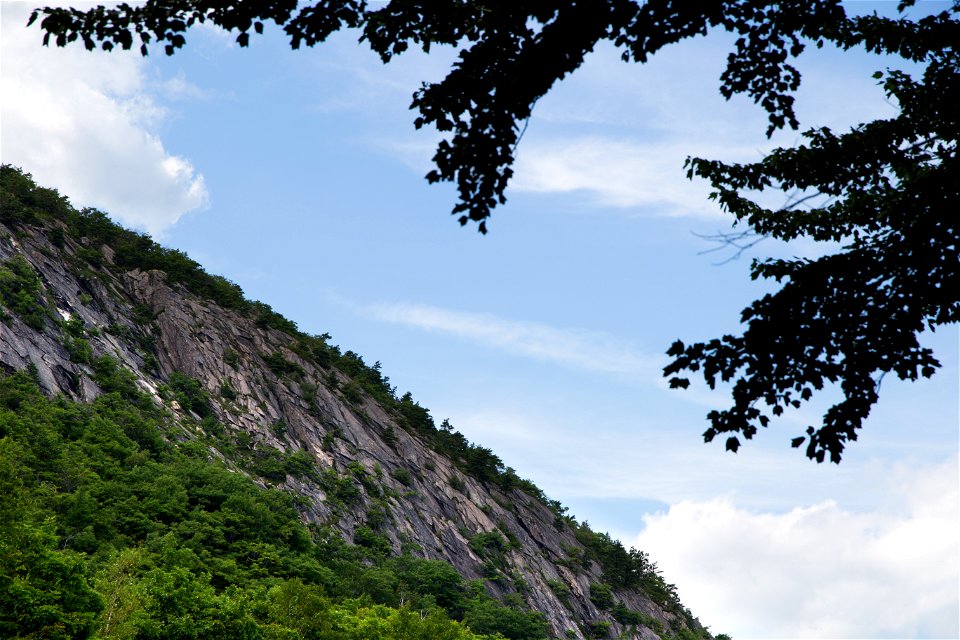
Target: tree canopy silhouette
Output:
[(886, 190)]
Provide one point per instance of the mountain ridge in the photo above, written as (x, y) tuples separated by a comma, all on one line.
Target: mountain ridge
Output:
[(85, 298)]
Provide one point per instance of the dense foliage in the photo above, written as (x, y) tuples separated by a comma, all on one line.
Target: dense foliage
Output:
[(888, 189), (106, 529), (512, 54)]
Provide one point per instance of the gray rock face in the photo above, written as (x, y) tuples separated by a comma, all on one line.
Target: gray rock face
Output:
[(428, 506)]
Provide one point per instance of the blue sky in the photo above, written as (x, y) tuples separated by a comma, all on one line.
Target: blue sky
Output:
[(299, 176)]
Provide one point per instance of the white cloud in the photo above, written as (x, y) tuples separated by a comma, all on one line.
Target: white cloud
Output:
[(574, 348), (177, 87), (615, 173), (84, 122), (820, 571), (645, 120)]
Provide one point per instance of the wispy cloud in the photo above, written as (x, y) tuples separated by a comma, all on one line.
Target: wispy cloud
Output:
[(177, 87), (84, 121), (616, 173), (820, 571), (364, 84), (630, 455), (587, 350), (620, 133)]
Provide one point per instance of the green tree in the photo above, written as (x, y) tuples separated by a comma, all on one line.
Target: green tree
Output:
[(601, 595), (44, 592), (20, 291), (301, 607), (886, 191), (123, 599), (485, 615), (179, 604), (433, 578)]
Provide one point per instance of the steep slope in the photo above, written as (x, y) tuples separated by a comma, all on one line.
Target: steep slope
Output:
[(81, 295)]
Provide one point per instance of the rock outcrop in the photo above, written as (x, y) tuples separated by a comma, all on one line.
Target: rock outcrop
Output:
[(266, 393)]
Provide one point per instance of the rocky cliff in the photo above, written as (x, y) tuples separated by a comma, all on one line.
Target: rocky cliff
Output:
[(293, 411)]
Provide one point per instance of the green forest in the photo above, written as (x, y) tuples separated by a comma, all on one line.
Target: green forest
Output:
[(108, 530)]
